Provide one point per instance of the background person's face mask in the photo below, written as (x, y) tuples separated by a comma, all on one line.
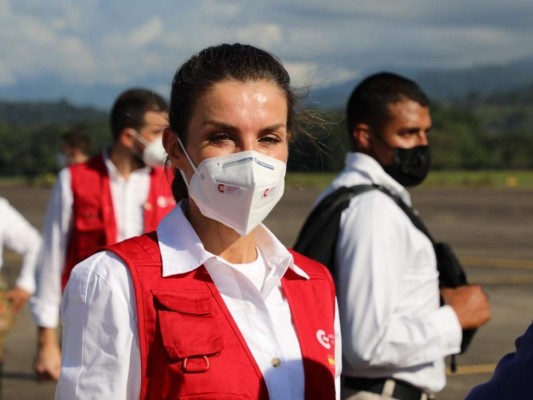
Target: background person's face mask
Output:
[(411, 165), (239, 190), (154, 153)]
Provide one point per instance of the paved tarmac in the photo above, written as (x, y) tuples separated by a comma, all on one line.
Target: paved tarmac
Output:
[(490, 229)]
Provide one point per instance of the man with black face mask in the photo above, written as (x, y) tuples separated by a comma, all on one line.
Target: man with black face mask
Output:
[(395, 332)]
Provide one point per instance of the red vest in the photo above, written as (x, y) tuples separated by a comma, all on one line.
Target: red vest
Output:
[(94, 222), (190, 344)]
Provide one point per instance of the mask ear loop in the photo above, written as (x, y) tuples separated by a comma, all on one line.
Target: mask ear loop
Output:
[(140, 138), (190, 162)]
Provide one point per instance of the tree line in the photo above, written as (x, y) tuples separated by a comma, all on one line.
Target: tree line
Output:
[(472, 133)]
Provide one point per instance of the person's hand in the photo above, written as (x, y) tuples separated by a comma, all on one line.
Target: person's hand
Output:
[(470, 303), (18, 298), (47, 365)]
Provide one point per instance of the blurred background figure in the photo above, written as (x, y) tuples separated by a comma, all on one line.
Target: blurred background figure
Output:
[(75, 148), (115, 195), (512, 376), (18, 235)]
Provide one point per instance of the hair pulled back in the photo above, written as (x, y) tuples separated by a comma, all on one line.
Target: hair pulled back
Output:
[(239, 62)]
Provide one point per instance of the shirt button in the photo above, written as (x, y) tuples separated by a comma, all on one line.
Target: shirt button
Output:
[(276, 362)]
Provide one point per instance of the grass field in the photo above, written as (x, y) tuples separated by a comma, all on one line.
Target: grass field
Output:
[(447, 179)]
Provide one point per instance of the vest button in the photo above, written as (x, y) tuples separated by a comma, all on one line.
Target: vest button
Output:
[(276, 362)]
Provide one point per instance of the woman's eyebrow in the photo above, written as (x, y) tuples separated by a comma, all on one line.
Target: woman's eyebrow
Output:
[(218, 124), (228, 127), (273, 128)]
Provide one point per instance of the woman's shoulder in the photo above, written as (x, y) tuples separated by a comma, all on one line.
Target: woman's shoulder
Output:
[(103, 267)]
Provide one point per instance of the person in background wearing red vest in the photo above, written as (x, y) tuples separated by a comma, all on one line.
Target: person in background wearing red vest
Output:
[(121, 193), (75, 148), (211, 305)]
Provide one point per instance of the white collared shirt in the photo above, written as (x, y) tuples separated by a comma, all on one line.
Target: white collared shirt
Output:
[(129, 197), (387, 286), (100, 318), (17, 234)]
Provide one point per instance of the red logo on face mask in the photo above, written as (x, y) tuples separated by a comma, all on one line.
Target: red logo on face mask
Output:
[(221, 188), (268, 192)]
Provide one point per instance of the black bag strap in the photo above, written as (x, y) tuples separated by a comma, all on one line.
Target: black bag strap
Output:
[(411, 212), (451, 273), (320, 231), (318, 236), (318, 239)]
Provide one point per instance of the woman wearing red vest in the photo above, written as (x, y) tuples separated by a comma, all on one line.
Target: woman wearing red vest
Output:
[(211, 305)]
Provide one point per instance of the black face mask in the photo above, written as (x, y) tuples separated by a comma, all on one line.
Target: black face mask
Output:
[(411, 166)]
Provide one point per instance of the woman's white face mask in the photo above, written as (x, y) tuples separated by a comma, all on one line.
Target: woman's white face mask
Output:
[(239, 190)]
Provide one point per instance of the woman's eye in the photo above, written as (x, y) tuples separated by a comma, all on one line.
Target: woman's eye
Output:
[(270, 139), (219, 137)]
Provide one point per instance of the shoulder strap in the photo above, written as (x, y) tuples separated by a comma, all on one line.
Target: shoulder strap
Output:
[(318, 238), (319, 234)]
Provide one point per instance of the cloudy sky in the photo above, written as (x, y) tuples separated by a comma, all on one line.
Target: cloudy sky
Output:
[(127, 42)]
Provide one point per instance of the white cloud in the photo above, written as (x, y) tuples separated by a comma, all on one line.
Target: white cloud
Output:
[(127, 41), (222, 9), (147, 33), (262, 35)]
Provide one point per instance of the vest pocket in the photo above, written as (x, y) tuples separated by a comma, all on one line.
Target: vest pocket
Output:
[(189, 328)]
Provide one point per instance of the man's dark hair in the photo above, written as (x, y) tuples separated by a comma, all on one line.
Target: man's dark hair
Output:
[(369, 101), (130, 107)]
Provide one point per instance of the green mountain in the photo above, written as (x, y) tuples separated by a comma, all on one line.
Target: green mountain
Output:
[(41, 112)]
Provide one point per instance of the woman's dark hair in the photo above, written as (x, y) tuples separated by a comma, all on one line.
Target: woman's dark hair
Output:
[(239, 62)]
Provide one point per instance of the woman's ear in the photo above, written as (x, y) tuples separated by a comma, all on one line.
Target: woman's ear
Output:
[(173, 149)]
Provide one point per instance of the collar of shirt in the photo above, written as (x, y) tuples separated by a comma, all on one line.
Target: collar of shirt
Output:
[(371, 171), (182, 251), (112, 169)]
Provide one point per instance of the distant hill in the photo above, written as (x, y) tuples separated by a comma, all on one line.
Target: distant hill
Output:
[(26, 102), (444, 84), (484, 80), (518, 97), (477, 130), (54, 88), (34, 112)]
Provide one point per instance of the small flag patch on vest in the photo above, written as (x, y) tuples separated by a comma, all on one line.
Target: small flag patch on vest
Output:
[(331, 360)]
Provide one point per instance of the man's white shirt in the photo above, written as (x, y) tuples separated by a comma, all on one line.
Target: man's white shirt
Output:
[(17, 234), (387, 286), (129, 197)]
